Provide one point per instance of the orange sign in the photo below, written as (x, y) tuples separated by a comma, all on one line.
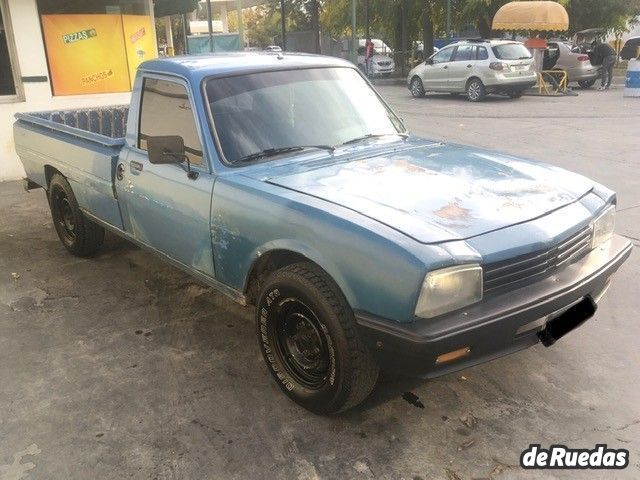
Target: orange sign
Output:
[(96, 53), (140, 42)]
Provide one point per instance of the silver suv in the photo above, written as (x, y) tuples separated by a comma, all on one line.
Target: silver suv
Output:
[(477, 68)]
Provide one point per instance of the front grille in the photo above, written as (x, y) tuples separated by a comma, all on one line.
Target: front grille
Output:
[(519, 271), (384, 63)]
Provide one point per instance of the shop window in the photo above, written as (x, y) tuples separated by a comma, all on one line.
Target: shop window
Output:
[(9, 87), (95, 46)]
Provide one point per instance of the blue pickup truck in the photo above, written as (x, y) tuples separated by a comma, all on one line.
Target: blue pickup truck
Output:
[(287, 183)]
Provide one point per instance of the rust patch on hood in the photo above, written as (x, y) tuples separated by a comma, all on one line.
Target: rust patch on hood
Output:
[(453, 211)]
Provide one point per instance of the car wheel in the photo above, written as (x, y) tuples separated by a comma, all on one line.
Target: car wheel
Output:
[(516, 93), (79, 235), (416, 87), (308, 337), (587, 83), (476, 90)]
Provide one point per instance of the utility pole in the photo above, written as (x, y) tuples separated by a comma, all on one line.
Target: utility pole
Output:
[(185, 34), (367, 34), (354, 40), (403, 34), (283, 25), (210, 24), (240, 24)]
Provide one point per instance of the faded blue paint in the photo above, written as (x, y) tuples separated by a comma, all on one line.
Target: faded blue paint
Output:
[(376, 216)]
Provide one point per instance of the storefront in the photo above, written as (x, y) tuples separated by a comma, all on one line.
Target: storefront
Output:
[(71, 54)]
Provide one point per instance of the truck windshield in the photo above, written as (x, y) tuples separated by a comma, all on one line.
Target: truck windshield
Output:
[(278, 111)]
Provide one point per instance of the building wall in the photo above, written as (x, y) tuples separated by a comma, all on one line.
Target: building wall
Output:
[(37, 96)]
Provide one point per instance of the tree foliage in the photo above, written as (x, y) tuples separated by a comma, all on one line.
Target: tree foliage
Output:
[(424, 18)]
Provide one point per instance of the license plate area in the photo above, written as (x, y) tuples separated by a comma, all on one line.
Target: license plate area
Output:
[(569, 320)]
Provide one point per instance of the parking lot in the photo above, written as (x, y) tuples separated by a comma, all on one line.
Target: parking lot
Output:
[(121, 366)]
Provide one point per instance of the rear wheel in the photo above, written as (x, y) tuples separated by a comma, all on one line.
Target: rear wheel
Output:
[(587, 83), (309, 341), (79, 235), (476, 90), (416, 87)]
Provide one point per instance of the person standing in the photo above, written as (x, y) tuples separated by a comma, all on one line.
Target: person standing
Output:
[(605, 56), (368, 55)]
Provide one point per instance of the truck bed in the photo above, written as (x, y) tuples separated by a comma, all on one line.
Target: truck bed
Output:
[(83, 144)]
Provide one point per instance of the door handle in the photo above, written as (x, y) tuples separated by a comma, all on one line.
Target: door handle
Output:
[(135, 167), (120, 171), (469, 66), (445, 67)]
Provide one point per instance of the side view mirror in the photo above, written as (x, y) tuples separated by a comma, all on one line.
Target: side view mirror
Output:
[(166, 149), (169, 149), (428, 61)]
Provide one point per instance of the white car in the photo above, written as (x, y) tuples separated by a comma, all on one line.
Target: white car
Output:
[(380, 65), (477, 68)]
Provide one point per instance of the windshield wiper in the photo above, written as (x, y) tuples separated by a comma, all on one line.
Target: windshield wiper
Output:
[(371, 135), (272, 152)]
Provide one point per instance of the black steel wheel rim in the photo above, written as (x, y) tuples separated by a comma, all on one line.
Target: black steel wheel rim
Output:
[(302, 343), (64, 214)]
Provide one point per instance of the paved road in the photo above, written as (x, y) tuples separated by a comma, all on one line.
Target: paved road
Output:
[(121, 366)]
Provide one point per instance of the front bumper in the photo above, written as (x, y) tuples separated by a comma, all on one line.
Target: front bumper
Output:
[(494, 327)]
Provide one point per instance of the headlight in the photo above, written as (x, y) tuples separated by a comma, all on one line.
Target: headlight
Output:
[(602, 227), (448, 289)]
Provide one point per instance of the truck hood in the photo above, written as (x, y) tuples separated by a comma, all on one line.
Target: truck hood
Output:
[(435, 193)]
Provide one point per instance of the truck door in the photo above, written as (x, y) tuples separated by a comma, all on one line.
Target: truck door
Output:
[(162, 206)]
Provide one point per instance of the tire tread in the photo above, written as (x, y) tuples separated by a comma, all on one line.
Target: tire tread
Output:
[(365, 371)]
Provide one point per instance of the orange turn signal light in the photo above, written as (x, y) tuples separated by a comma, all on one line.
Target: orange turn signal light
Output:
[(454, 355)]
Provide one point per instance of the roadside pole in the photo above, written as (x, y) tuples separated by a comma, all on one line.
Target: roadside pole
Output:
[(210, 24), (283, 25), (354, 40)]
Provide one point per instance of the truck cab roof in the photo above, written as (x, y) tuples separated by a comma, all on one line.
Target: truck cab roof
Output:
[(196, 67)]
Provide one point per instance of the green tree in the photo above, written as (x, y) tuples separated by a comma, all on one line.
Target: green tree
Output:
[(610, 14)]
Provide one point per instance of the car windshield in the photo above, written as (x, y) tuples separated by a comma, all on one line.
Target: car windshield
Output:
[(264, 114), (511, 51)]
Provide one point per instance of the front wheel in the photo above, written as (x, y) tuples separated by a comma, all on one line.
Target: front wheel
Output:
[(79, 235), (476, 90), (309, 341), (416, 87), (587, 83)]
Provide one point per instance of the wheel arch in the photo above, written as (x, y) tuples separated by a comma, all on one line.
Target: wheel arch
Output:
[(472, 77), (49, 172), (279, 254)]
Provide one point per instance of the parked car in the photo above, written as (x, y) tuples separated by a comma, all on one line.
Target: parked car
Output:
[(273, 48), (569, 58), (630, 48), (381, 65), (378, 44), (418, 51), (477, 68), (286, 183)]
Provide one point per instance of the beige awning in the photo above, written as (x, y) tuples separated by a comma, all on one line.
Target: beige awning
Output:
[(531, 15)]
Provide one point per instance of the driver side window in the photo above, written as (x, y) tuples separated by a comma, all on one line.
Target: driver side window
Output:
[(442, 56)]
